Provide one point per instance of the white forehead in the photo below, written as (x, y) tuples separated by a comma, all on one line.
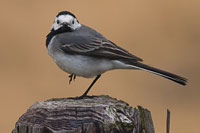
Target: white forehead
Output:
[(65, 18)]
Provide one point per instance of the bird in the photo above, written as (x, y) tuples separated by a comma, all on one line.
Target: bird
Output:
[(82, 51)]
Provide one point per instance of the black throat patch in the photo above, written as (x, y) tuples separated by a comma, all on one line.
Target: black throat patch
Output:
[(56, 32)]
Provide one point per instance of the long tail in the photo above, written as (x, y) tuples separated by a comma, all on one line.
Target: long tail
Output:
[(168, 75)]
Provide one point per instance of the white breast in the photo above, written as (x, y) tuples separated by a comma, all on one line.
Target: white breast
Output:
[(82, 65)]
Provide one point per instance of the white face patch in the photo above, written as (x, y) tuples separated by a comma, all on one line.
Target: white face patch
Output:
[(62, 19)]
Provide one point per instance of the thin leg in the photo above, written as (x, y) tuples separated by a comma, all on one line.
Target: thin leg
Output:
[(86, 92)]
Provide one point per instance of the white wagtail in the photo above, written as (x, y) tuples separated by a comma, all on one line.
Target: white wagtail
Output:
[(81, 51)]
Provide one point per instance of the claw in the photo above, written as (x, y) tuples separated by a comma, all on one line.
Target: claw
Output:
[(72, 76)]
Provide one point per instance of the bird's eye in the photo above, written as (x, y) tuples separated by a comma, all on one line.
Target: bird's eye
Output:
[(58, 22), (72, 21)]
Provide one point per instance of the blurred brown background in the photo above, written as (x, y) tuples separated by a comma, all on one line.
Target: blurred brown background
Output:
[(166, 34)]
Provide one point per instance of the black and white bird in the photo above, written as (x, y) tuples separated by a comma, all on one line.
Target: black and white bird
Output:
[(81, 51)]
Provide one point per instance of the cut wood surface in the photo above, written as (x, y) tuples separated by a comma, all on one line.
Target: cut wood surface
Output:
[(93, 114)]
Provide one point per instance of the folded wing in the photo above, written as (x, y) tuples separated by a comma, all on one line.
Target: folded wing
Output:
[(97, 47)]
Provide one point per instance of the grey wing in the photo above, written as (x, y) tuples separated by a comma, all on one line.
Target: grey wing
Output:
[(96, 47)]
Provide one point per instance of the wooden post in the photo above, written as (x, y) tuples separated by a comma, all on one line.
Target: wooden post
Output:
[(94, 114), (168, 121)]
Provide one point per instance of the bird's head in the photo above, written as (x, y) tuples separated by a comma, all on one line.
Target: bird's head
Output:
[(65, 21)]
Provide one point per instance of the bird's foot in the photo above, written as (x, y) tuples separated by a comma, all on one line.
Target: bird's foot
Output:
[(72, 76), (83, 96)]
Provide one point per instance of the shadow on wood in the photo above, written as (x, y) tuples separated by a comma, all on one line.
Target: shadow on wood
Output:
[(93, 114)]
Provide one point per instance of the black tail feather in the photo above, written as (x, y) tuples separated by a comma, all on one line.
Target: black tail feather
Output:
[(168, 75)]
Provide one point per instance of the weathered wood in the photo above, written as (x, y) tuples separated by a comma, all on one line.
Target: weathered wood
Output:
[(146, 120), (101, 114)]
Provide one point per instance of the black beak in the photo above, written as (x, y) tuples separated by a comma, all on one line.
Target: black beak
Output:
[(66, 27), (65, 24)]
